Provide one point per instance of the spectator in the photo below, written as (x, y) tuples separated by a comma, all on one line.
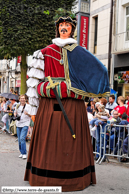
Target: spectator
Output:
[(4, 119), (93, 133), (103, 101), (8, 102), (22, 125), (91, 107), (3, 106), (98, 117), (120, 108), (89, 115), (115, 119), (10, 106), (96, 100), (120, 132), (111, 104)]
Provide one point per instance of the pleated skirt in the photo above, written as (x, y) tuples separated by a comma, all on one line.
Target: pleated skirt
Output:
[(55, 158)]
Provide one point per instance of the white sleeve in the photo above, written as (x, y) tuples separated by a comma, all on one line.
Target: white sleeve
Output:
[(36, 74)]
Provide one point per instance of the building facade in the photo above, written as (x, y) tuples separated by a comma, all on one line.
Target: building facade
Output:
[(99, 40), (10, 74), (120, 48), (99, 30)]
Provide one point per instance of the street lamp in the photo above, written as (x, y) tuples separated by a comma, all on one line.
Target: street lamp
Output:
[(84, 7)]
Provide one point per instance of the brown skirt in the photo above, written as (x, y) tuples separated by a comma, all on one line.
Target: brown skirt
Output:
[(55, 158)]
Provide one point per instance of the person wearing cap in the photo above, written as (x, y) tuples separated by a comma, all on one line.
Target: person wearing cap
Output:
[(55, 158)]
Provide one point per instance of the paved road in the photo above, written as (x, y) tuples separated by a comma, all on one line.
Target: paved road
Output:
[(112, 178)]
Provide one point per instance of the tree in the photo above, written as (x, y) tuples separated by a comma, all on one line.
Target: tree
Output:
[(26, 26)]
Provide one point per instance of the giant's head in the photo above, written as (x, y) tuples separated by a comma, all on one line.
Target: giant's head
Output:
[(65, 25)]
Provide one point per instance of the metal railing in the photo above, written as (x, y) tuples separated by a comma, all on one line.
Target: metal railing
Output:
[(110, 141), (116, 140)]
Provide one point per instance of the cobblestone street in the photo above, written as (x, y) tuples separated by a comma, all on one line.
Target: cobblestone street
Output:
[(9, 144)]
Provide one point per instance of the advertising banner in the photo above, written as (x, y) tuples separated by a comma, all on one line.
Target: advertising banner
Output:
[(84, 31)]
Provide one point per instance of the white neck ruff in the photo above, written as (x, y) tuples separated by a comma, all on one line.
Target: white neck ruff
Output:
[(62, 42)]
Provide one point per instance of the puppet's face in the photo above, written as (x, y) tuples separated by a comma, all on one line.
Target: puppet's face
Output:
[(65, 29)]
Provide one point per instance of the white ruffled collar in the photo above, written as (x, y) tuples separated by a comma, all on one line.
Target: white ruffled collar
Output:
[(62, 42)]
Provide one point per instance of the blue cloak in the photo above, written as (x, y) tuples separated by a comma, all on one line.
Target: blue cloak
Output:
[(87, 75)]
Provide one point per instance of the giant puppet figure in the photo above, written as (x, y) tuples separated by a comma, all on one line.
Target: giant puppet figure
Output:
[(60, 151)]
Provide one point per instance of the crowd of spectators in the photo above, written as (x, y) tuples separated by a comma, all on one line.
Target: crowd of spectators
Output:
[(16, 119), (102, 112)]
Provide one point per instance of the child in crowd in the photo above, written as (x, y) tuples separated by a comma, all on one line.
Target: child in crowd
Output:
[(114, 119), (120, 132), (100, 117)]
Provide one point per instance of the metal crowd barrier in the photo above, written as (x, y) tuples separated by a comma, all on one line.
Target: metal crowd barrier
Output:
[(117, 139), (107, 139)]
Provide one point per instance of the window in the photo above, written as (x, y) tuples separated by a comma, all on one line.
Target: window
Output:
[(95, 35), (127, 23)]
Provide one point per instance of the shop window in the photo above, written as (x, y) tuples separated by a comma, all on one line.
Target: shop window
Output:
[(127, 23)]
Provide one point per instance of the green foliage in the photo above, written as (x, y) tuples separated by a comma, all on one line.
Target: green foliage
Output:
[(27, 25), (63, 13)]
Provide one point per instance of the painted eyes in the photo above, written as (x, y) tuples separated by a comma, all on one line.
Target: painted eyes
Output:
[(67, 25)]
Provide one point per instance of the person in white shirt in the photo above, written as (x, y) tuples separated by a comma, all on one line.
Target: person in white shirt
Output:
[(23, 111), (111, 104)]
